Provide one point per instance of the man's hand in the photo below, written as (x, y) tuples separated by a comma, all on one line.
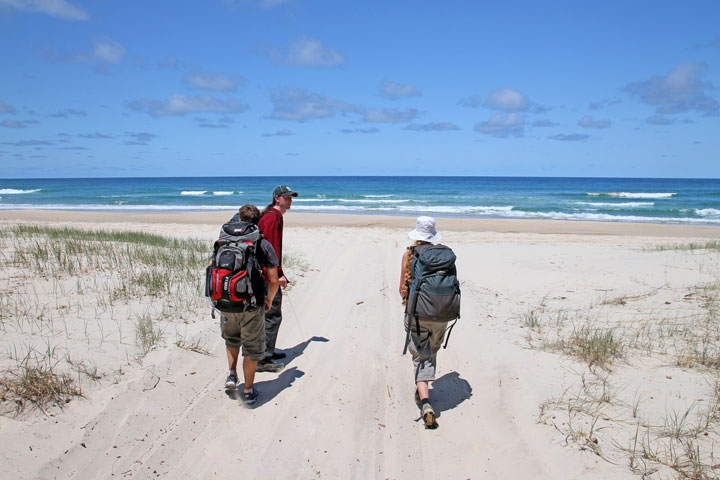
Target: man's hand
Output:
[(268, 303), (283, 281)]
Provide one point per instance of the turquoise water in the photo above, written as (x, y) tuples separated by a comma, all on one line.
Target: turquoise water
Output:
[(685, 201)]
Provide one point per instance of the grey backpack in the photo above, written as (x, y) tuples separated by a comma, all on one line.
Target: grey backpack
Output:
[(434, 291)]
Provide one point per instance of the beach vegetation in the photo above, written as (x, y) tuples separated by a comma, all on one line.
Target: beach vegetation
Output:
[(197, 346), (36, 382), (294, 265), (691, 246), (93, 287), (147, 334), (657, 430)]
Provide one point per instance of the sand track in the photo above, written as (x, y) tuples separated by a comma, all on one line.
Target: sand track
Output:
[(343, 407)]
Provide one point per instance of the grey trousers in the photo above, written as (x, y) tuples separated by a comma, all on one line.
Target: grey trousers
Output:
[(424, 347), (273, 319)]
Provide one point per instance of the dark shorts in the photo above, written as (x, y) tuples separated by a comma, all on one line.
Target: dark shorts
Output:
[(246, 329)]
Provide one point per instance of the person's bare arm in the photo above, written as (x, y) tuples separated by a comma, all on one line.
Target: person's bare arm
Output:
[(403, 271), (273, 285)]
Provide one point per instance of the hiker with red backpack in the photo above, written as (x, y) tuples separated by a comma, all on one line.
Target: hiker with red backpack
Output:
[(237, 287), (271, 227), (431, 295)]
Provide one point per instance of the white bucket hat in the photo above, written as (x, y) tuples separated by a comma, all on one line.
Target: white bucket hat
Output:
[(425, 230)]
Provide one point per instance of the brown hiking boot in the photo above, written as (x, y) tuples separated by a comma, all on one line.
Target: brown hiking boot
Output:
[(428, 415)]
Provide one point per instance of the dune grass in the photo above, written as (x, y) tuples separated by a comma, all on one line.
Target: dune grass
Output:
[(111, 290), (691, 246), (34, 381), (604, 412)]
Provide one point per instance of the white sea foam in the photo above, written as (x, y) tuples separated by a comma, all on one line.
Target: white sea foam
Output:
[(13, 191), (118, 207), (348, 200), (507, 212), (450, 210), (305, 200), (226, 193), (193, 192), (708, 212), (618, 205), (633, 194), (378, 196), (711, 216), (604, 217)]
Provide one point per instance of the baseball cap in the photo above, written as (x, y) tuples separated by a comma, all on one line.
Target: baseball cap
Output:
[(282, 190)]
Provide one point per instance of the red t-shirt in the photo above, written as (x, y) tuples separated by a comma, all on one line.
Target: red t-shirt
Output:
[(271, 227)]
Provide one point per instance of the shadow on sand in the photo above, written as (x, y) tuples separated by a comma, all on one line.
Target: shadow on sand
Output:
[(267, 389), (448, 392), (294, 352)]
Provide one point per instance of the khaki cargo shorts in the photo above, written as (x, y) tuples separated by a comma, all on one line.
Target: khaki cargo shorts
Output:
[(246, 329)]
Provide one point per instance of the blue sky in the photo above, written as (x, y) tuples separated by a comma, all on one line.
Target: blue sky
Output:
[(297, 87)]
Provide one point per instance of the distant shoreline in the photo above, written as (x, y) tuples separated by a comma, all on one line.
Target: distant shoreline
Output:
[(295, 219)]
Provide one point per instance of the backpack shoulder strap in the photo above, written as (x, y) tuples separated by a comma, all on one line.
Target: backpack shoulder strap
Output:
[(279, 217)]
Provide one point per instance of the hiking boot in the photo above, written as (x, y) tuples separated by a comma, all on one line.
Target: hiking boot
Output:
[(250, 397), (267, 365), (277, 356), (428, 415), (231, 381)]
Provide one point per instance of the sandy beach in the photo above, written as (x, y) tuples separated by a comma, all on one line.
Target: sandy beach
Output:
[(585, 350)]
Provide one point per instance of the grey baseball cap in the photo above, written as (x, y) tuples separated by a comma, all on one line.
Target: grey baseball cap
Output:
[(282, 190)]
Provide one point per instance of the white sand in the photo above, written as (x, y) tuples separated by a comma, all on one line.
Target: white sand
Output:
[(343, 407)]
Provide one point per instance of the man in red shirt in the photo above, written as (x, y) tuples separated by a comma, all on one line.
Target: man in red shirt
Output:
[(271, 227)]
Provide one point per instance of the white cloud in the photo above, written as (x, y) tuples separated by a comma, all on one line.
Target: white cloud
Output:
[(139, 138), (310, 52), (588, 122), (300, 105), (29, 143), (279, 133), (503, 99), (359, 130), (214, 81), (178, 105), (68, 112), (6, 108), (544, 123), (95, 136), (472, 101), (55, 8), (507, 100), (503, 125), (679, 91), (13, 124), (572, 137), (106, 50), (389, 115), (603, 103), (659, 120), (432, 127), (393, 90)]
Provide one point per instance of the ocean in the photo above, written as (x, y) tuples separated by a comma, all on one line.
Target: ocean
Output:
[(679, 201)]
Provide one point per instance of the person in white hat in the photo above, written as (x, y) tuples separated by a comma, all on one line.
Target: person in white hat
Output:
[(427, 338)]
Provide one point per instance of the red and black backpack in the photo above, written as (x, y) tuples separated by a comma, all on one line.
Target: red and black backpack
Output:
[(234, 279)]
